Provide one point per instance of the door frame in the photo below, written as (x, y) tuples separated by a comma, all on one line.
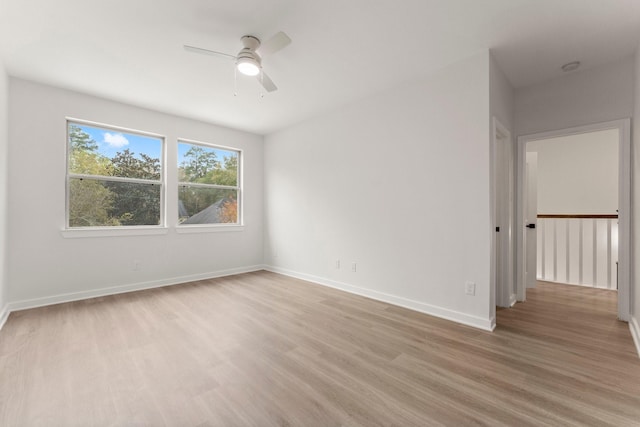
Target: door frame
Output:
[(624, 204), (530, 252)]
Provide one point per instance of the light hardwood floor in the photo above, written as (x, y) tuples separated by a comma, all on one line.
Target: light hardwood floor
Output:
[(261, 349)]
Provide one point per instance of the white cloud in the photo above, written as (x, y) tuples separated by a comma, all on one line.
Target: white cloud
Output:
[(115, 140)]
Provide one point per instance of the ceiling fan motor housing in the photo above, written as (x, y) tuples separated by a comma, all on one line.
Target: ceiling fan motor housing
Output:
[(248, 54)]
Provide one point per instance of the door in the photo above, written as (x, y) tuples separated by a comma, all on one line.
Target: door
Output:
[(531, 218), (503, 215)]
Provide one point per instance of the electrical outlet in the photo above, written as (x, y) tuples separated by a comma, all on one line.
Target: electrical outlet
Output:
[(470, 288), (353, 267), (337, 264), (136, 264)]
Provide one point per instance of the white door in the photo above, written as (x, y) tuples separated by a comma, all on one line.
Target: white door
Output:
[(531, 218), (503, 212)]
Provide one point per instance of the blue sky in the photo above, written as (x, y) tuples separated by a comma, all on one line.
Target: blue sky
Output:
[(112, 141)]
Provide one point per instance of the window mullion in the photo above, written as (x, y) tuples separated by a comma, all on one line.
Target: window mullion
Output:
[(114, 178), (201, 185)]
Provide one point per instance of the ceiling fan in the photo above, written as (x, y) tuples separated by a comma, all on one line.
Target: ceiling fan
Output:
[(249, 59)]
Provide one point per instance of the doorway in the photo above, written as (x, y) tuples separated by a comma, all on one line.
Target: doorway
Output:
[(527, 223)]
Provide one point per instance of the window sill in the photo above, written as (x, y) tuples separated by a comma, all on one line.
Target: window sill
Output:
[(187, 229), (112, 232)]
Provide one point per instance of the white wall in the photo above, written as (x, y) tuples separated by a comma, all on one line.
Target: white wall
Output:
[(583, 97), (578, 174), (397, 183), (45, 266), (4, 165)]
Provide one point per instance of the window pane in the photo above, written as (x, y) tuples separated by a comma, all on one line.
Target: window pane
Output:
[(207, 165), (197, 205), (98, 151), (99, 203)]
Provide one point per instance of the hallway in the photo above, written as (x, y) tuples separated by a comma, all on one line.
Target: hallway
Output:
[(570, 341)]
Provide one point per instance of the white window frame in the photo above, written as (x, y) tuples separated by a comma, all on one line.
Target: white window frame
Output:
[(197, 228), (125, 230)]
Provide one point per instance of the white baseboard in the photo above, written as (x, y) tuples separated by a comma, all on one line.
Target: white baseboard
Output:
[(113, 290), (512, 300), (444, 313), (634, 327), (4, 315)]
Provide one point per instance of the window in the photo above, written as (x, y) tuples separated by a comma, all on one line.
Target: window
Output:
[(209, 184), (114, 177)]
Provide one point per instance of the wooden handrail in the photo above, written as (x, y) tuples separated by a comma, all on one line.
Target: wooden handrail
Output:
[(580, 216)]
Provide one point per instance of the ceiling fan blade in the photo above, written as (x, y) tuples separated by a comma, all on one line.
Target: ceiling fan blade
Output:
[(274, 44), (207, 52), (266, 82)]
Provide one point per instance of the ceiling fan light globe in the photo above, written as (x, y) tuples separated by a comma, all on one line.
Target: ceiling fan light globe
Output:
[(248, 67)]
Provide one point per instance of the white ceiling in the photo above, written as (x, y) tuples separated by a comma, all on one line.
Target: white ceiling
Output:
[(342, 50)]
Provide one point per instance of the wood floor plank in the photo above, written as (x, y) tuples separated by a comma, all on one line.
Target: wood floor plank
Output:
[(262, 349)]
